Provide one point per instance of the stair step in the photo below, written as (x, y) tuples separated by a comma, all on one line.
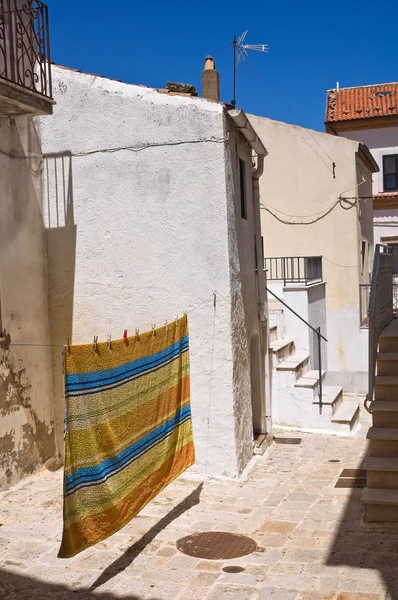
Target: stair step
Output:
[(383, 433), (346, 412), (330, 393), (384, 406), (386, 379), (376, 496), (292, 363), (309, 380), (278, 345), (373, 463), (387, 356)]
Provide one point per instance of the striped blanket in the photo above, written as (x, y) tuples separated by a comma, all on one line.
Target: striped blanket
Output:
[(128, 430)]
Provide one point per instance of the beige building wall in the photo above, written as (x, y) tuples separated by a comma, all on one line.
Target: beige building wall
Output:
[(299, 182), (26, 403)]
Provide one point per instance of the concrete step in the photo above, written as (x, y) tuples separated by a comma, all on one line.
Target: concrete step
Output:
[(278, 345), (309, 380), (273, 333), (384, 406), (383, 433), (374, 463), (293, 363), (347, 413), (387, 356), (331, 394), (386, 380), (371, 496), (381, 505)]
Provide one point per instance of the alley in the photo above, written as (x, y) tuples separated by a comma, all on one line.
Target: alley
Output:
[(311, 537)]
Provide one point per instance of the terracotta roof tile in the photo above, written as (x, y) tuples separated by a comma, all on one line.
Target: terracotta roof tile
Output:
[(363, 102)]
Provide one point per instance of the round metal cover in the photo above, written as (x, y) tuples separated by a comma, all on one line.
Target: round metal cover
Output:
[(233, 569), (216, 545)]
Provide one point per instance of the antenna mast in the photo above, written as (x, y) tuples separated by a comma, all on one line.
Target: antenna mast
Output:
[(240, 53)]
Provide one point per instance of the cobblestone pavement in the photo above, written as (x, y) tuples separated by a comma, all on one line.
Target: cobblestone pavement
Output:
[(313, 544)]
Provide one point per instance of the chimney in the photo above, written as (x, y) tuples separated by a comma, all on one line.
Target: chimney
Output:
[(210, 80)]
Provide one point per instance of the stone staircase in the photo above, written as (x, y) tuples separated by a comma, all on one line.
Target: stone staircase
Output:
[(381, 494), (295, 388)]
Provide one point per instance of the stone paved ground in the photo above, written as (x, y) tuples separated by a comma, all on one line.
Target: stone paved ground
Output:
[(313, 544)]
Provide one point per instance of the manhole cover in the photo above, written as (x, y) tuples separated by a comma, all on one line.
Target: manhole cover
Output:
[(233, 569), (287, 440), (216, 545)]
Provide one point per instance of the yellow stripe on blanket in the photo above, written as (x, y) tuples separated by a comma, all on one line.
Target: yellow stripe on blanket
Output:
[(128, 430)]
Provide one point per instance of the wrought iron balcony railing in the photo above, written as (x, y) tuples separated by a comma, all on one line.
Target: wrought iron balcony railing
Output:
[(25, 45), (294, 269)]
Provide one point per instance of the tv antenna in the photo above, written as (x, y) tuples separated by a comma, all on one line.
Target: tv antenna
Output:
[(240, 53)]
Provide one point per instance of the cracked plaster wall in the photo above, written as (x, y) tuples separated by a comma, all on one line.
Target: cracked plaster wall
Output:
[(26, 416)]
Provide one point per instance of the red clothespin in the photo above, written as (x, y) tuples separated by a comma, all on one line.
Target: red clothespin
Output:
[(125, 337)]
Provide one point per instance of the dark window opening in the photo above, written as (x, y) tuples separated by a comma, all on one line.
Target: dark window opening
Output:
[(242, 188), (390, 172)]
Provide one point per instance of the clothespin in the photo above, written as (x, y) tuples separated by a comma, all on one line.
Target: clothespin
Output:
[(137, 334), (109, 342), (68, 344), (125, 337), (167, 326), (95, 343), (177, 320), (215, 299), (153, 329)]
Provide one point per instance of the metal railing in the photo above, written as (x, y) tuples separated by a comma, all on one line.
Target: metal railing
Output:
[(380, 308), (317, 331), (364, 295), (25, 45), (294, 269)]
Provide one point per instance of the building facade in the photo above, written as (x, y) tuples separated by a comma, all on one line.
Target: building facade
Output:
[(369, 114), (316, 215), (151, 209), (27, 424)]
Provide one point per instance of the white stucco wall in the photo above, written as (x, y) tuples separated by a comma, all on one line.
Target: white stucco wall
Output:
[(26, 405), (147, 237), (380, 141), (298, 183)]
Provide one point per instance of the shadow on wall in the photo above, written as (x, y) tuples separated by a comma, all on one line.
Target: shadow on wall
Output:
[(61, 260), (373, 547), (26, 423)]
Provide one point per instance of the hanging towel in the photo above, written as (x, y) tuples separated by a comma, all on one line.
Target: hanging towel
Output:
[(128, 430)]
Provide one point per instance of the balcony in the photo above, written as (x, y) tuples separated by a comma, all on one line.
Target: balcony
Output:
[(302, 270), (25, 62)]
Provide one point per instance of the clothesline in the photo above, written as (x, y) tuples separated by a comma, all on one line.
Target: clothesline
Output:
[(212, 298)]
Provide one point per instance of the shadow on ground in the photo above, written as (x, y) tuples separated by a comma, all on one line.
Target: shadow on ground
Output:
[(18, 587), (135, 550), (366, 546)]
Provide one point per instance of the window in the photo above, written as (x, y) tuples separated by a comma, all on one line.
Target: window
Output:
[(390, 172), (242, 188)]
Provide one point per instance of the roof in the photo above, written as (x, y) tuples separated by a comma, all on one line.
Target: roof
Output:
[(347, 104)]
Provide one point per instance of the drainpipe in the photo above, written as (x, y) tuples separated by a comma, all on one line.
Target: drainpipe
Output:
[(245, 127)]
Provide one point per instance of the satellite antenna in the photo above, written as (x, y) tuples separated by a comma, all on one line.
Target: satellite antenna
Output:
[(240, 53)]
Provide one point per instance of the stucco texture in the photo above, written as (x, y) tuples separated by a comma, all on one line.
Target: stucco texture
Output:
[(299, 182), (140, 231), (26, 403)]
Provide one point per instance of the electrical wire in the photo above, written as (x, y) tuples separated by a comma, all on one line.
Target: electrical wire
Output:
[(319, 216)]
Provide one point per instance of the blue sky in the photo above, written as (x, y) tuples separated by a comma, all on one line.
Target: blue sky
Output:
[(313, 44)]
